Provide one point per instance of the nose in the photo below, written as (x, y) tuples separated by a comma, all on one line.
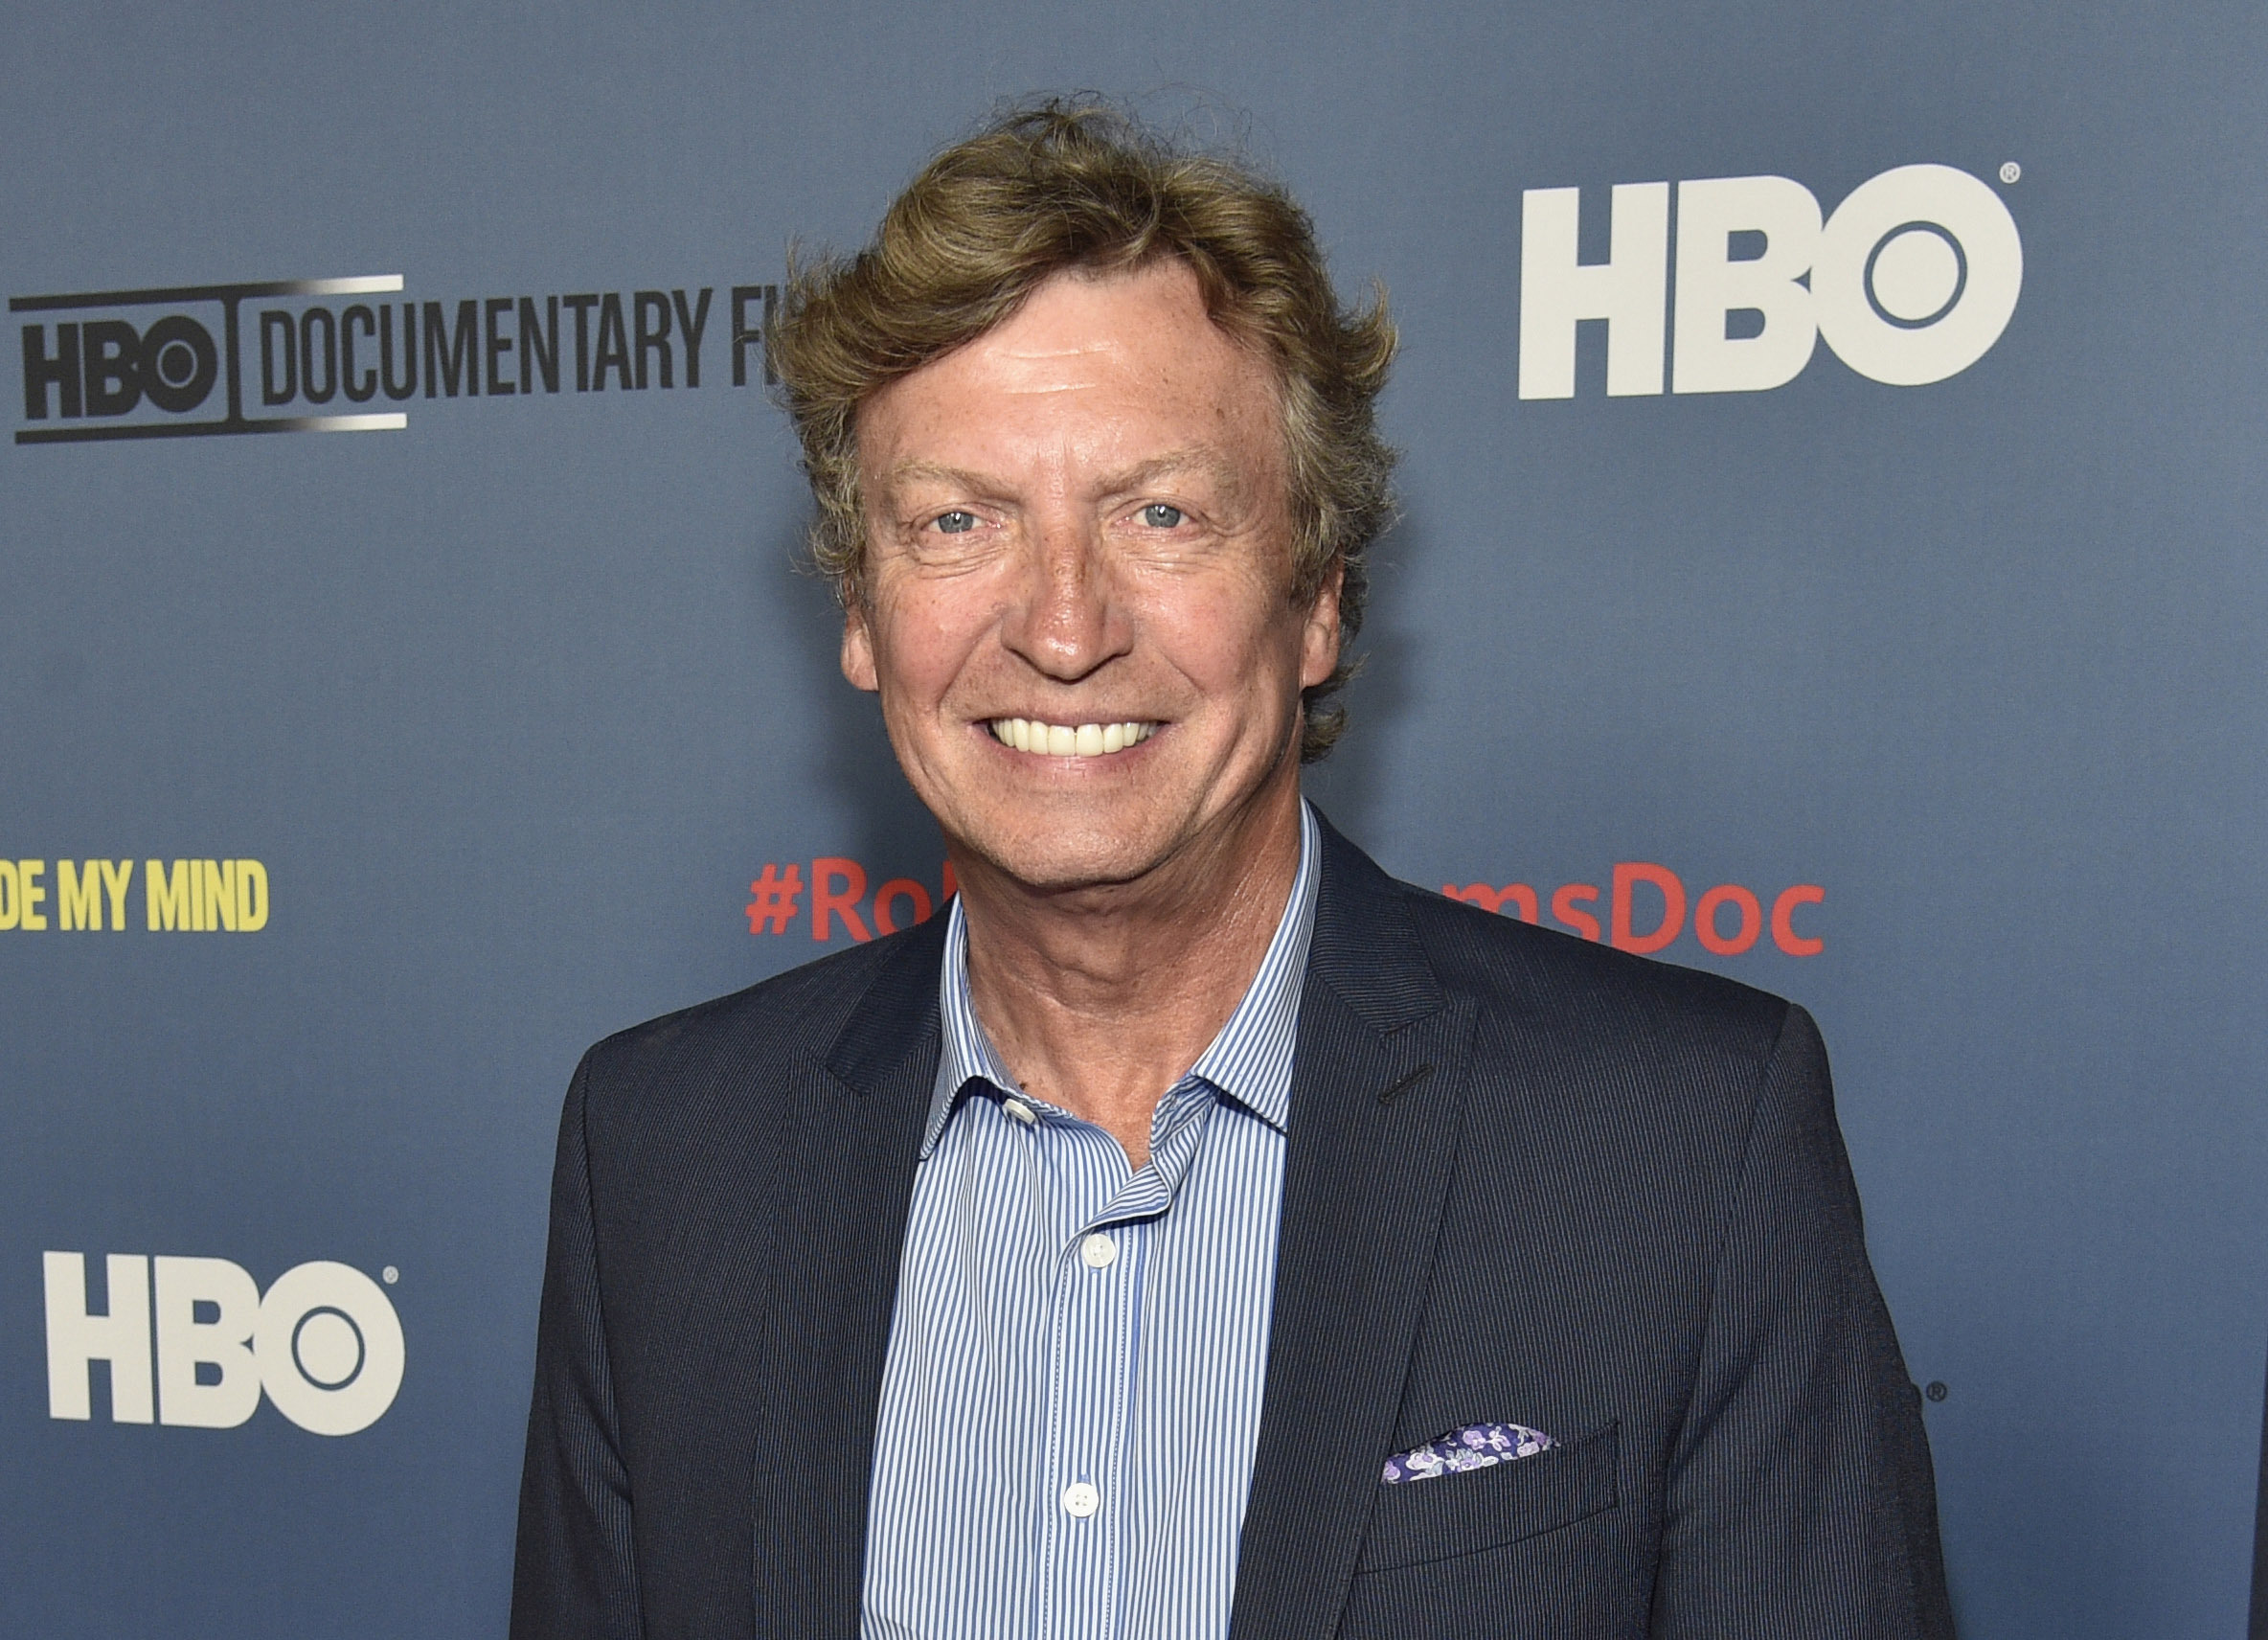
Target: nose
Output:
[(1068, 624)]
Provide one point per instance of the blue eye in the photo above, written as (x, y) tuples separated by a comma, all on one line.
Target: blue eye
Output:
[(1160, 516), (956, 523)]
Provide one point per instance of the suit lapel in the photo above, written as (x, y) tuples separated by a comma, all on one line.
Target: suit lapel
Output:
[(845, 1195), (1377, 1090)]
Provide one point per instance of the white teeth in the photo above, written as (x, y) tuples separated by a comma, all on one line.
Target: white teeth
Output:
[(1067, 741)]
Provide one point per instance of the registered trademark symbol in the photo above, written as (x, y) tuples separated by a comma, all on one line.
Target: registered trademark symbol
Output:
[(390, 1275), (2011, 172), (1937, 1390)]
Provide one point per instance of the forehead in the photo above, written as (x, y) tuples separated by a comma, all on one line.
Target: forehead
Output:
[(1096, 367)]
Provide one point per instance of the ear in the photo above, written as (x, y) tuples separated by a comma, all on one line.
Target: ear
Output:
[(858, 649), (1319, 642)]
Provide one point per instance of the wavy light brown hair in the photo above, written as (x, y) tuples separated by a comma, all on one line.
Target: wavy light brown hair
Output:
[(1066, 186)]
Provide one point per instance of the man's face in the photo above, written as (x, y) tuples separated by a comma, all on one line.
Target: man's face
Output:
[(1079, 521)]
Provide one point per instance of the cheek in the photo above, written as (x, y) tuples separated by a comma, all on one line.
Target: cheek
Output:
[(924, 640), (1231, 643)]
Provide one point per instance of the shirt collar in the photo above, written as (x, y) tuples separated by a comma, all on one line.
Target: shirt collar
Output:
[(1250, 1059)]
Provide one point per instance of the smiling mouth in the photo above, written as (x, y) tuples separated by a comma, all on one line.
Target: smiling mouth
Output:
[(1069, 740)]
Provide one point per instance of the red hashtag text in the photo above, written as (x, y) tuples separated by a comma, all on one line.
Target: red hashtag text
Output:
[(775, 900)]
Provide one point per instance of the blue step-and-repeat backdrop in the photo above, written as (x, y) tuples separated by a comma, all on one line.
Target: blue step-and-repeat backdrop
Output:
[(1833, 554)]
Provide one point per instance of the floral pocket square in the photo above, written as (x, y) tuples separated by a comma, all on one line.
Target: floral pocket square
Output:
[(1475, 1446)]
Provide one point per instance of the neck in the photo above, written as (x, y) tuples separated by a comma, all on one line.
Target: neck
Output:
[(1100, 1000)]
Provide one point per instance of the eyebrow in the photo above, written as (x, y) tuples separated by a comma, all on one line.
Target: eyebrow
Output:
[(1194, 457), (938, 471)]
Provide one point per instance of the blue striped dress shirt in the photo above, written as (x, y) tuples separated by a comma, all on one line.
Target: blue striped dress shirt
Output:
[(1072, 1394)]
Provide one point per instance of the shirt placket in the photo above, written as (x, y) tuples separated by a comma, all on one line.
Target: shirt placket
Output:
[(1095, 1360)]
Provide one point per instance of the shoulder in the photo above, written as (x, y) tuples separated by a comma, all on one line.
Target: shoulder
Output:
[(1641, 1079), (1573, 1041), (1553, 979), (767, 1038), (1402, 949)]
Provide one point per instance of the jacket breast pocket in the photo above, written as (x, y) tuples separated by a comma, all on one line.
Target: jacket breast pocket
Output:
[(1464, 1513)]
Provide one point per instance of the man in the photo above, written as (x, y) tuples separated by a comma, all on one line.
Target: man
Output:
[(1194, 1231)]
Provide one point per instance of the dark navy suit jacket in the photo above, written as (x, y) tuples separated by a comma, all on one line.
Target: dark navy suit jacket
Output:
[(1527, 1178)]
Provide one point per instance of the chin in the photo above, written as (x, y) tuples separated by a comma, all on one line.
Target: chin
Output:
[(1069, 857)]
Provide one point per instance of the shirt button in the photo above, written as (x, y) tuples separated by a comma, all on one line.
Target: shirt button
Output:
[(1098, 1251), (1021, 1111), (1081, 1501)]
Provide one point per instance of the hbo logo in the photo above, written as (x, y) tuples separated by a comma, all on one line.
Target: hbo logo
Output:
[(1911, 279), (105, 367), (324, 1343)]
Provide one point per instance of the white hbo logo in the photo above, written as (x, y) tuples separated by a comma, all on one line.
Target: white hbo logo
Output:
[(324, 1343), (1911, 281)]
